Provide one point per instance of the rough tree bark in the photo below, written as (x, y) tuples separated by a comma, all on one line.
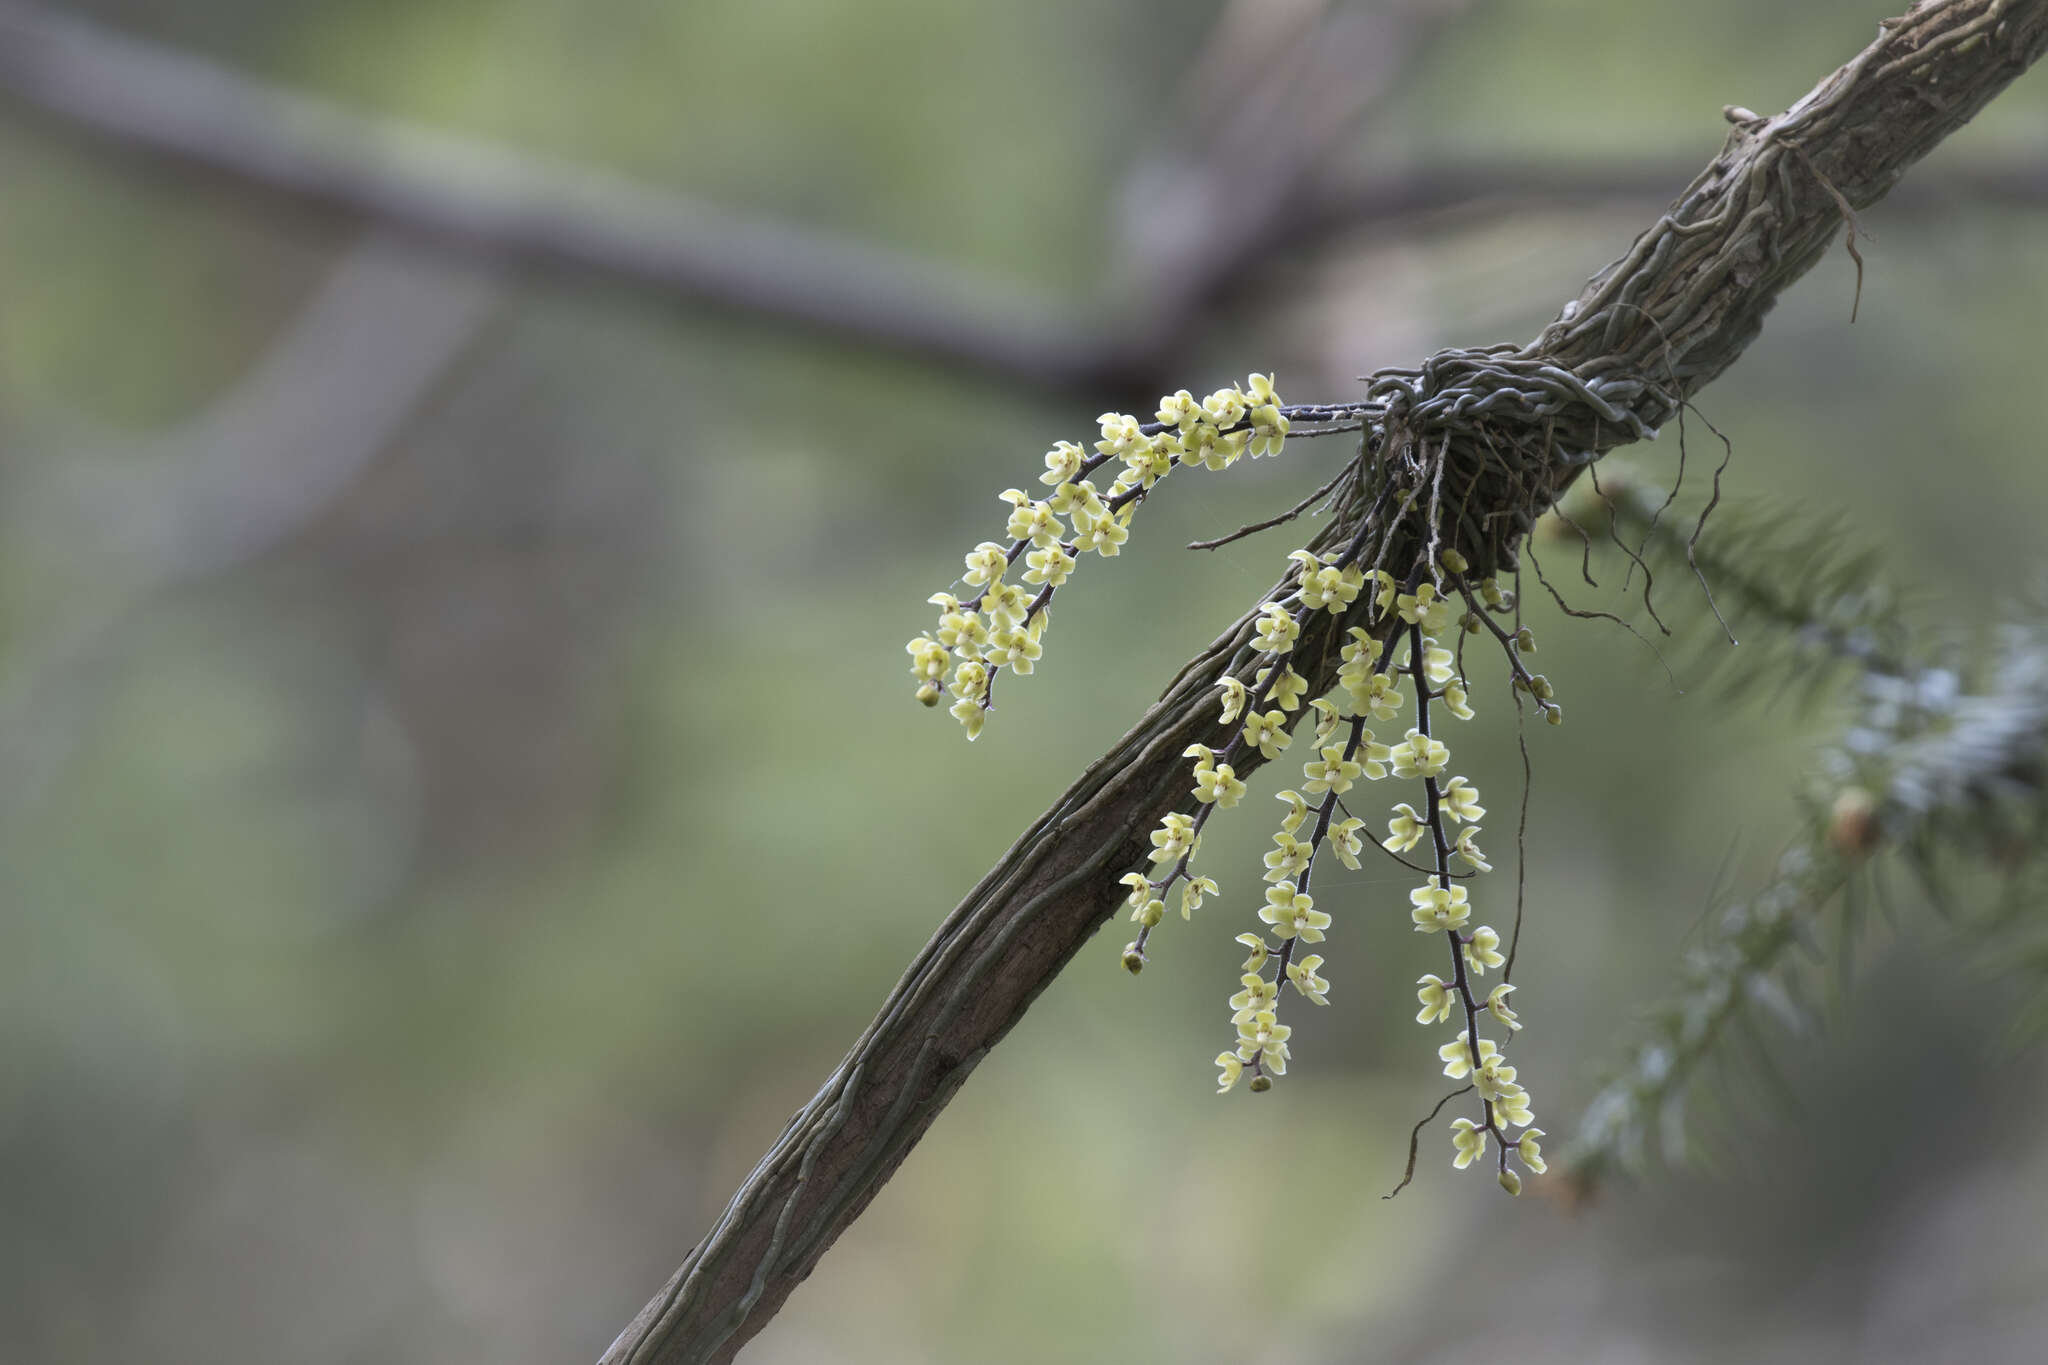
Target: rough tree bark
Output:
[(1648, 332)]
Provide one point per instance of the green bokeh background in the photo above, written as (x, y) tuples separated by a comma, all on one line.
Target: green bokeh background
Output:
[(409, 935)]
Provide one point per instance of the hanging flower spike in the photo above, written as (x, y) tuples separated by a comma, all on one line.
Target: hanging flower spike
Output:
[(999, 620)]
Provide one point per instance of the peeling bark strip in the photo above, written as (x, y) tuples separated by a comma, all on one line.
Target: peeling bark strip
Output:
[(1648, 332)]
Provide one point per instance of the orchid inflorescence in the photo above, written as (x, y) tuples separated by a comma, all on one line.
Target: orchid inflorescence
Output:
[(1407, 622), (999, 622), (1399, 644)]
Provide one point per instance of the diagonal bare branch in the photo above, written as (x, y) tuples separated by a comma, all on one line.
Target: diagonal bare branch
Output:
[(1674, 312)]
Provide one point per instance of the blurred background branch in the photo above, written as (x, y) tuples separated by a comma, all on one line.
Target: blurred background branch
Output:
[(206, 117), (1242, 177), (132, 521), (1938, 764)]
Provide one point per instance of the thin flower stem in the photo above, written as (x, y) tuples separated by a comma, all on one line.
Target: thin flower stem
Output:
[(1443, 876)]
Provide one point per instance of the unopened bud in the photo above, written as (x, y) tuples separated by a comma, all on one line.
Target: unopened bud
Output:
[(1852, 827)]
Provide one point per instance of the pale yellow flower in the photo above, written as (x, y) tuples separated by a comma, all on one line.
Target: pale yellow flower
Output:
[(1457, 1056), (1277, 630), (1303, 974), (1468, 850), (1257, 961), (1497, 1006), (1468, 1139), (1063, 464), (1461, 802), (1258, 994), (1405, 830), (1297, 810), (1437, 999), (1438, 908), (1292, 914), (1233, 699), (1331, 772), (1174, 838), (1285, 862), (1220, 785), (1268, 732), (1483, 951)]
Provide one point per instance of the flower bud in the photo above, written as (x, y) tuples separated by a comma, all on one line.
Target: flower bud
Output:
[(1852, 826)]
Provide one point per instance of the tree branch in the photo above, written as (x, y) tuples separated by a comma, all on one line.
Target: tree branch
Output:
[(1675, 311), (1312, 88), (335, 388), (206, 117)]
